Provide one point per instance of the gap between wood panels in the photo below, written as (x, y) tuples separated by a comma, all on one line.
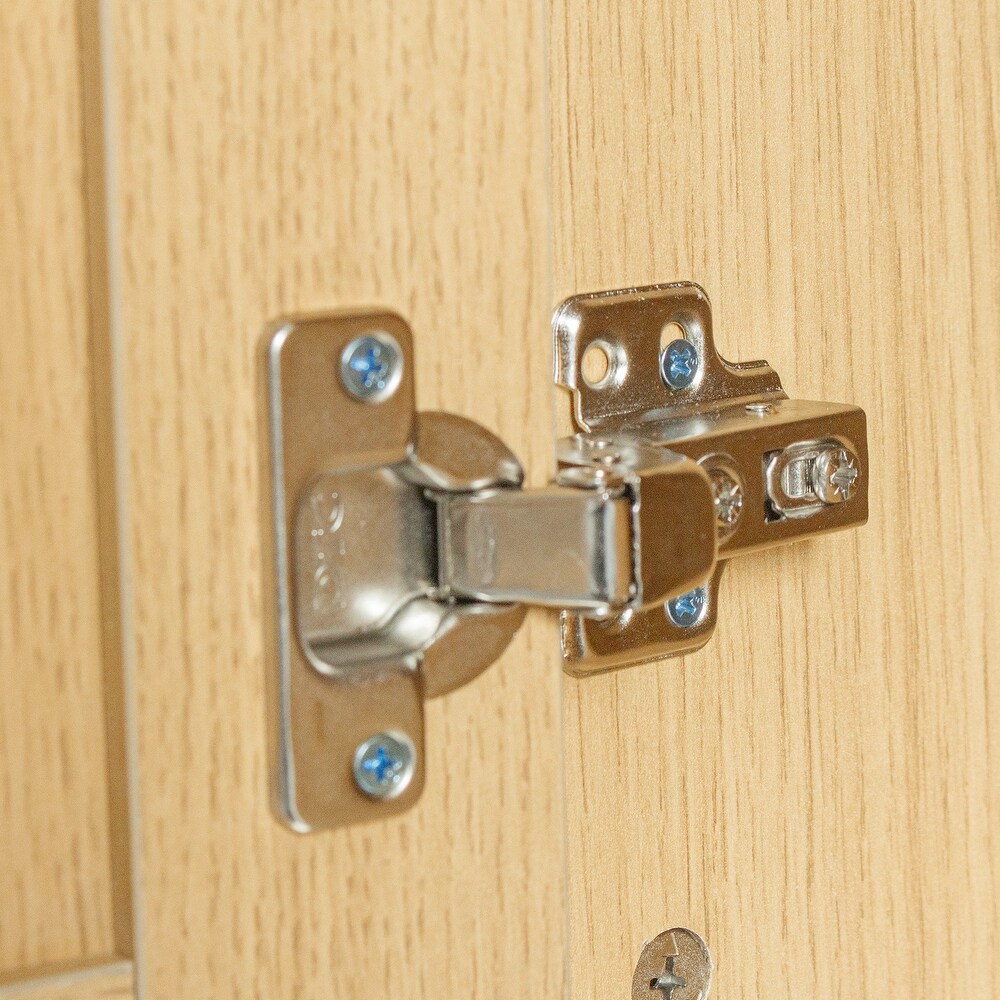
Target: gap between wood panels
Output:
[(98, 181)]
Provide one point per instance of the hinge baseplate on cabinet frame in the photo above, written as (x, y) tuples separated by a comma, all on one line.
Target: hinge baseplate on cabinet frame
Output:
[(405, 548), (780, 469)]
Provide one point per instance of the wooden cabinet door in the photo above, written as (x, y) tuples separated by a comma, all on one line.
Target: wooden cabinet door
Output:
[(814, 792), (296, 157)]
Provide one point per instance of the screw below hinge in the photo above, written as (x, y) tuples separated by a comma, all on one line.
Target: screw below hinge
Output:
[(675, 965)]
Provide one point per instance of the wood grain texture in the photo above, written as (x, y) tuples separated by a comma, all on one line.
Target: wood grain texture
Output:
[(286, 157), (107, 982), (816, 792), (56, 903)]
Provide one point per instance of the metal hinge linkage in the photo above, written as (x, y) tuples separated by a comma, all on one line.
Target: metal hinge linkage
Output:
[(405, 548)]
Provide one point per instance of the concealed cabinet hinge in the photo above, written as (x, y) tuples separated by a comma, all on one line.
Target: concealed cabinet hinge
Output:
[(406, 549)]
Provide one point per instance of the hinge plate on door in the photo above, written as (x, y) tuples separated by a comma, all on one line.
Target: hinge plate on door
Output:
[(405, 548)]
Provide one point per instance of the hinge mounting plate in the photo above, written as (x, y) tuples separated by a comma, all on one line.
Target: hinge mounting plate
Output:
[(781, 469)]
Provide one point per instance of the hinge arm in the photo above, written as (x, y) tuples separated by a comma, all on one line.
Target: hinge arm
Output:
[(629, 533)]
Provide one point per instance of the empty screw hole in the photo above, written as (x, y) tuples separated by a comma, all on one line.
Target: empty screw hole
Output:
[(596, 366), (672, 331)]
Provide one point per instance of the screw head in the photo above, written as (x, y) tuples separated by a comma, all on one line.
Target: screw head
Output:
[(667, 981), (835, 475), (384, 765), (689, 609), (679, 364), (371, 367), (728, 496), (726, 482), (675, 965)]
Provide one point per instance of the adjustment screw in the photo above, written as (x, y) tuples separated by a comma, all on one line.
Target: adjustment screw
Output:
[(371, 366), (384, 765), (727, 493), (678, 364), (727, 490), (689, 609), (835, 474)]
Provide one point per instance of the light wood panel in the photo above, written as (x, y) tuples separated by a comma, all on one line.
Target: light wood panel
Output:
[(109, 982), (58, 900), (816, 791), (293, 157)]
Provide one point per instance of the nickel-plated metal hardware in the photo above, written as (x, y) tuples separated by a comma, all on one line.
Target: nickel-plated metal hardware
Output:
[(780, 469), (675, 965), (679, 364), (371, 366), (405, 551), (384, 765), (405, 548)]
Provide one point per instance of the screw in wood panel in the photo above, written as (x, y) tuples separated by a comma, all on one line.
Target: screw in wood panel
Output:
[(675, 965)]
